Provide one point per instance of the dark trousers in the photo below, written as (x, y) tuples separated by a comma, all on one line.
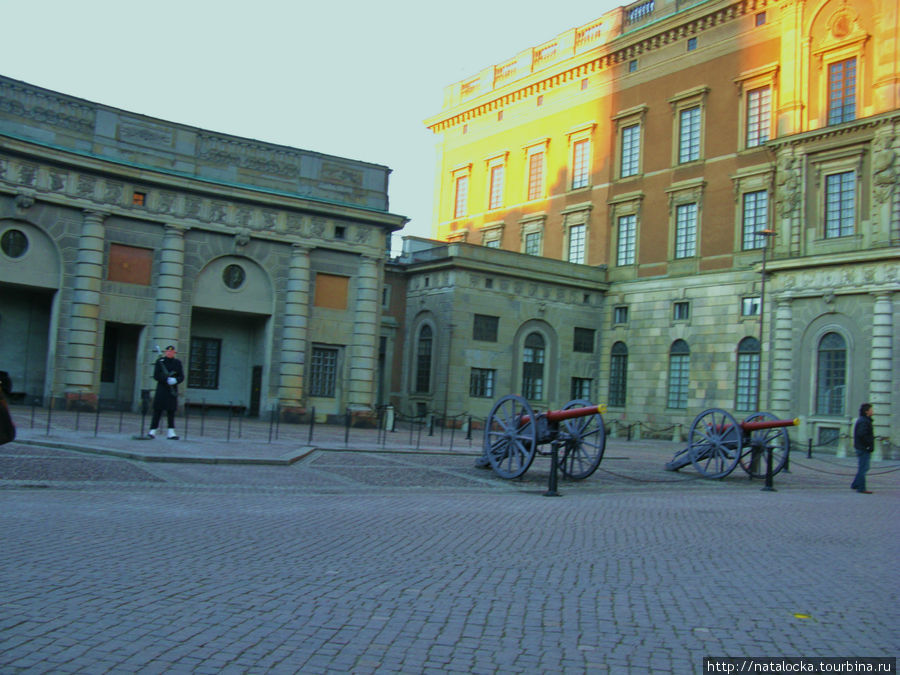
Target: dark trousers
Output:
[(859, 483), (157, 413)]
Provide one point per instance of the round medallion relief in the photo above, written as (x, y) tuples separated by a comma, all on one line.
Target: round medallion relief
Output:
[(14, 243), (233, 276)]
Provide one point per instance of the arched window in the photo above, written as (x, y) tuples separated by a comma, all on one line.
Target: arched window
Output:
[(831, 375), (533, 367), (423, 360), (618, 374), (746, 396), (679, 372)]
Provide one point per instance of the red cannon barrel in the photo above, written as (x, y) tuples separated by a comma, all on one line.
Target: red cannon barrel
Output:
[(559, 415), (769, 424)]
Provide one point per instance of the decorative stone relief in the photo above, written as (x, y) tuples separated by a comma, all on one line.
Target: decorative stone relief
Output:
[(218, 211), (58, 181), (885, 174), (192, 207), (269, 220), (318, 226), (85, 186), (166, 202), (787, 184), (112, 192), (27, 174)]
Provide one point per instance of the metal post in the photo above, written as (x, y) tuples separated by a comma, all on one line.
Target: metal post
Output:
[(768, 486), (33, 407), (271, 422), (228, 427), (312, 423), (551, 485), (78, 412), (187, 418), (202, 416), (49, 414), (809, 449), (97, 418), (765, 234), (346, 428)]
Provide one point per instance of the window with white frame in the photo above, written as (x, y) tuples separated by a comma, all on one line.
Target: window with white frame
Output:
[(688, 110), (576, 243), (755, 218), (461, 196), (842, 91), (686, 230), (689, 135), (840, 204), (681, 310), (533, 243), (581, 163), (629, 162), (750, 306), (626, 235), (535, 188), (495, 190), (759, 111)]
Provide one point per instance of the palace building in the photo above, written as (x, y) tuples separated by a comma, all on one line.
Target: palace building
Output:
[(678, 206), (120, 234)]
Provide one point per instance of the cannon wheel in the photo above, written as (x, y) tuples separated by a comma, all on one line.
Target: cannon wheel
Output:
[(714, 443), (753, 457), (509, 443), (585, 441)]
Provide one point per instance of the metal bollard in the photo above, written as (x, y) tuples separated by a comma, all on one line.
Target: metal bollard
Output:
[(554, 459), (809, 449), (768, 486)]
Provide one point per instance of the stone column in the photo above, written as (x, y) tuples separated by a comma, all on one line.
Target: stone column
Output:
[(364, 350), (294, 334), (83, 367), (167, 316), (880, 381), (782, 368)]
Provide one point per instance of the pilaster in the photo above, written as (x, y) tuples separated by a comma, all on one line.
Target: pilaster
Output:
[(880, 381), (364, 353), (167, 315), (294, 334)]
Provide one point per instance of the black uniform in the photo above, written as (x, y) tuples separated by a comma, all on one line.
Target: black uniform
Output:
[(166, 397)]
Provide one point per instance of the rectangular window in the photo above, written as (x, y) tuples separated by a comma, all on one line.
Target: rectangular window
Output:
[(323, 372), (689, 135), (625, 252), (581, 163), (746, 398), (755, 219), (583, 340), (576, 244), (533, 243), (139, 198), (686, 231), (484, 327), (581, 388), (535, 175), (679, 370), (842, 91), (461, 197), (631, 144), (758, 116), (492, 243), (618, 374), (481, 382), (840, 204), (681, 311), (620, 314), (498, 176), (691, 44), (203, 369), (750, 306)]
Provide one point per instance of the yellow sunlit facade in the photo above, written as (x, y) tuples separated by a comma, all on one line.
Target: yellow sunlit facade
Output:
[(668, 149)]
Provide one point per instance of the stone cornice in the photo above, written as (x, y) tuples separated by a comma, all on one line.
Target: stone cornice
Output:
[(688, 22)]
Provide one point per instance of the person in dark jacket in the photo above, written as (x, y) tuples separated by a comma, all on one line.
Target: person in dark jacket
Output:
[(864, 444), (168, 373)]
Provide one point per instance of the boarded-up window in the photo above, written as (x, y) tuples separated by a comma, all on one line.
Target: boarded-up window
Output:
[(331, 291), (130, 264)]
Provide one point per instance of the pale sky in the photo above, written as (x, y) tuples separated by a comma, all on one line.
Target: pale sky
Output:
[(354, 79)]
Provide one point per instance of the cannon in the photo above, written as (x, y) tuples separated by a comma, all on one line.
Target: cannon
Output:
[(513, 434), (717, 443)]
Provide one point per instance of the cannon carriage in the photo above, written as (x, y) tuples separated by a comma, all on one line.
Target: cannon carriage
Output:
[(717, 443), (514, 434)]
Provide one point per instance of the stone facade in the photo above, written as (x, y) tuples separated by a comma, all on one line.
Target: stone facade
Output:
[(728, 172), (121, 233)]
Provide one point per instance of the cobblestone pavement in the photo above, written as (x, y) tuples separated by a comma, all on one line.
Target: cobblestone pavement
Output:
[(349, 560)]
